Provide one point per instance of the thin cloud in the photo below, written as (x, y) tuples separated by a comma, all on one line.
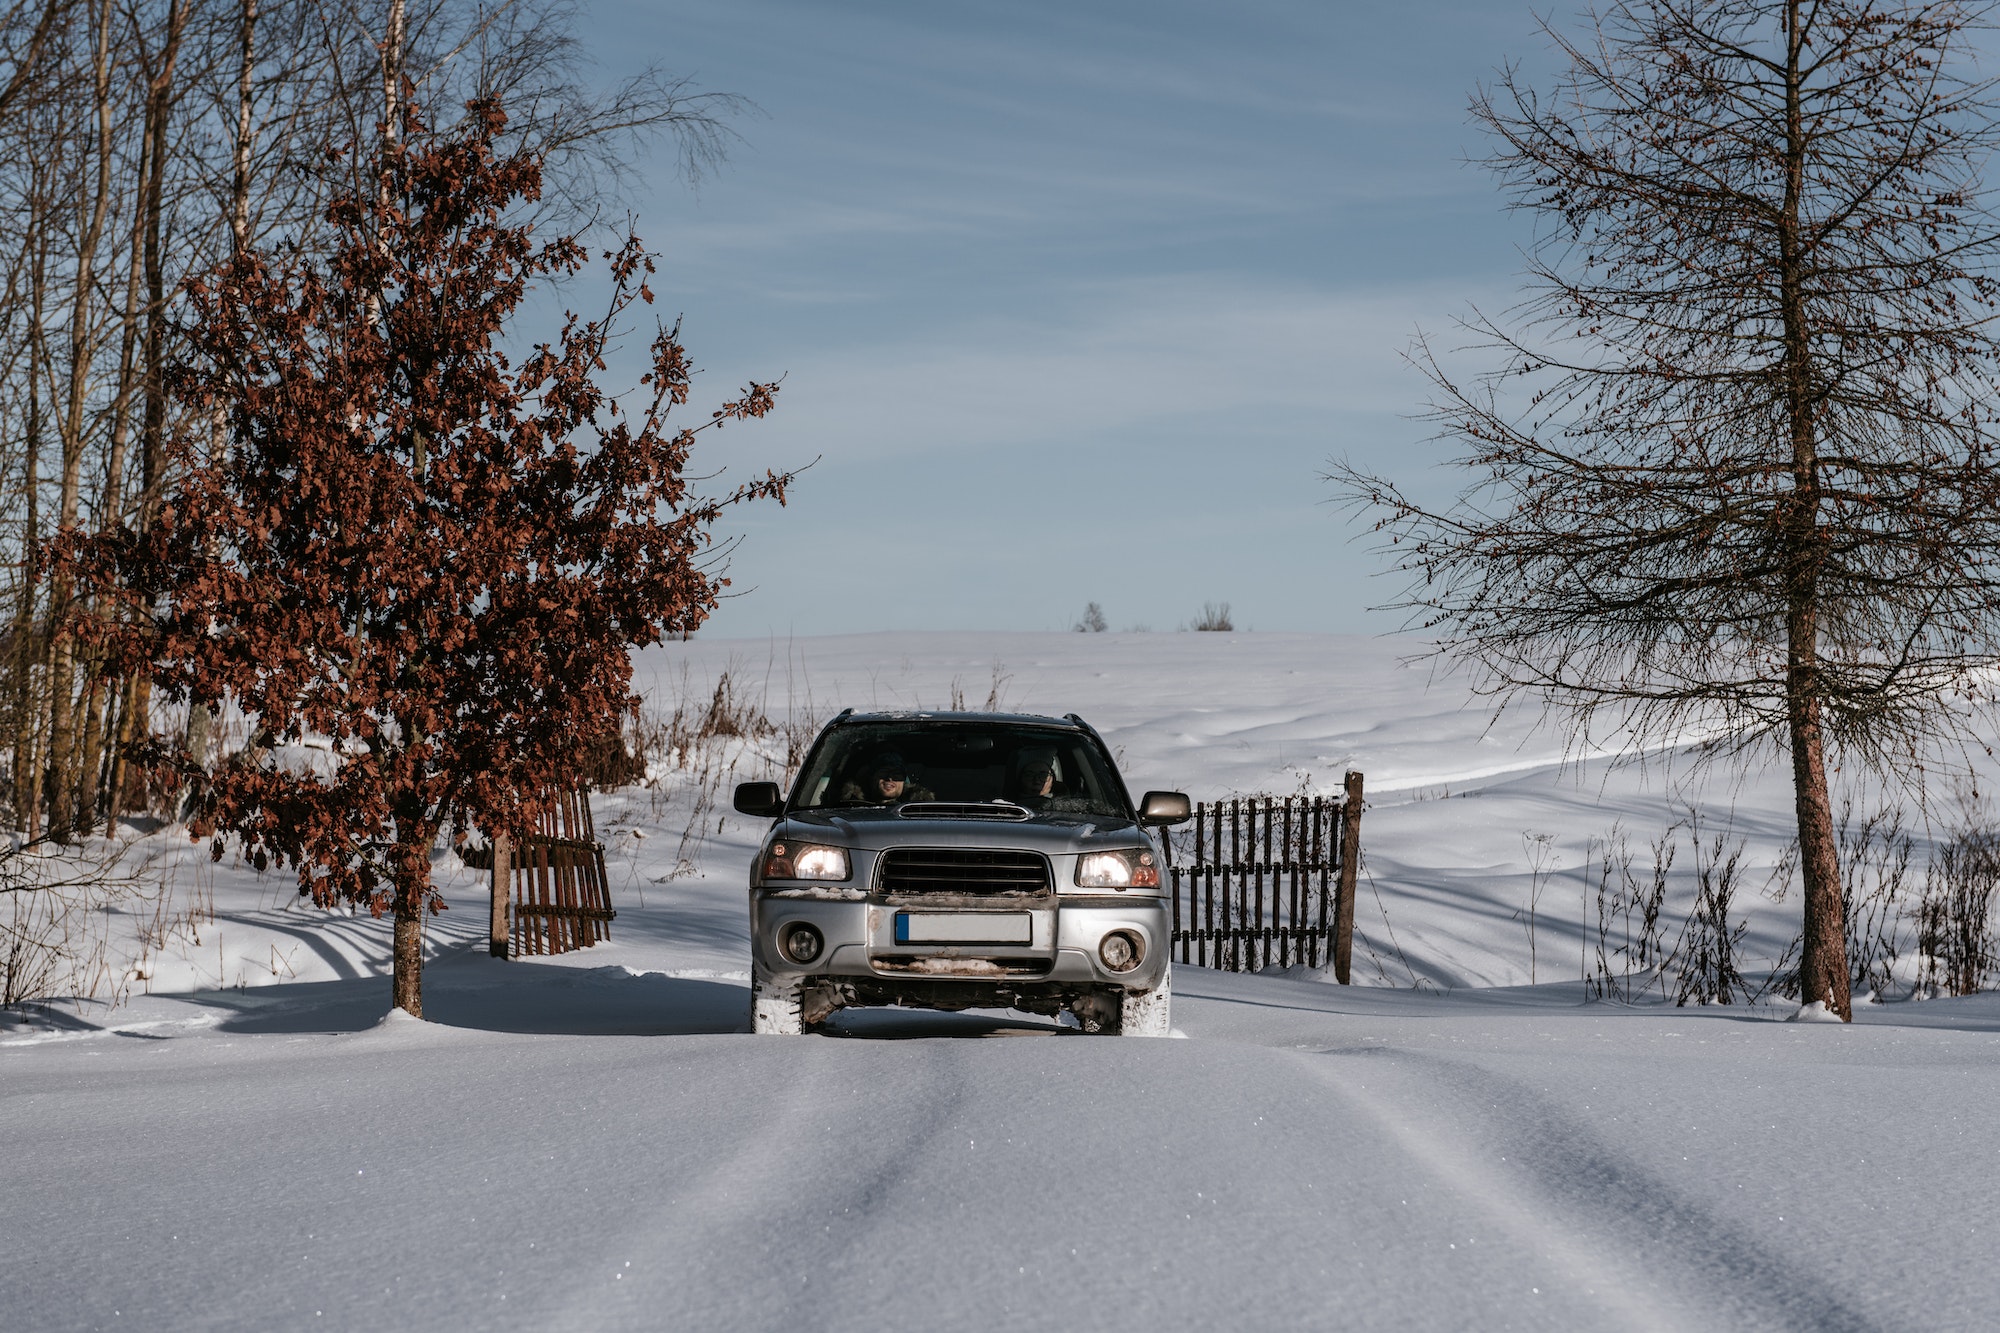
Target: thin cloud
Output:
[(1126, 357)]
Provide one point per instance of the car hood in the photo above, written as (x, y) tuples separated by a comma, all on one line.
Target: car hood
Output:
[(878, 830)]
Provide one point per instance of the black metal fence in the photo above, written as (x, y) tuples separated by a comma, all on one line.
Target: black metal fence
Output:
[(1267, 881)]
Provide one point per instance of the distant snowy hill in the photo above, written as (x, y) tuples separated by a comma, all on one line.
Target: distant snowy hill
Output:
[(1469, 816)]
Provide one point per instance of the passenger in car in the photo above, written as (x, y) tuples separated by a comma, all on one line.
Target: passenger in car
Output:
[(888, 783), (1039, 788), (1038, 780)]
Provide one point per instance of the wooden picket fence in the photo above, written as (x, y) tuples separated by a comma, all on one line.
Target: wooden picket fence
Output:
[(550, 890), (1267, 881)]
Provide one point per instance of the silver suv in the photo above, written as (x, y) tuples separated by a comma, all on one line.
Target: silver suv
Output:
[(959, 861)]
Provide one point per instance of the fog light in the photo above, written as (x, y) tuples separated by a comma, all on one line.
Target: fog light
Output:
[(1121, 951), (800, 943)]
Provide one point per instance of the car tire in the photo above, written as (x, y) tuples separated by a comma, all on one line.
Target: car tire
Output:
[(775, 1008), (1148, 1013)]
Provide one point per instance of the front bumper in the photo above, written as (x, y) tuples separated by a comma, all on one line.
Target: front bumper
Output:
[(1060, 956)]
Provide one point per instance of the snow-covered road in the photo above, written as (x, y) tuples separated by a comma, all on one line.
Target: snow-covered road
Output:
[(584, 1149)]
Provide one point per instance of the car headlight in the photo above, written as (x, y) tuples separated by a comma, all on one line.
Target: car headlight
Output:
[(1132, 869), (805, 860)]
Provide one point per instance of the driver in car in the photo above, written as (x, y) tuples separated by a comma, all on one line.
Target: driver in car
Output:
[(888, 783)]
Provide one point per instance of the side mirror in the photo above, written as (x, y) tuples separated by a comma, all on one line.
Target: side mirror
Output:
[(761, 799), (1165, 807)]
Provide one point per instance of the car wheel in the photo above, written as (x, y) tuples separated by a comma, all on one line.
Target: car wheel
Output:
[(1148, 1013), (775, 1007)]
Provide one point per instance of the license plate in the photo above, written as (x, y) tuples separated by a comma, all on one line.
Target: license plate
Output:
[(964, 928)]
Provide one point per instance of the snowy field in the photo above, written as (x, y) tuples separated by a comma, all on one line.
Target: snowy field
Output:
[(592, 1141)]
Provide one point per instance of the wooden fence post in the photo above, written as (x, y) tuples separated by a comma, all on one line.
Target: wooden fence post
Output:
[(499, 928), (1350, 863)]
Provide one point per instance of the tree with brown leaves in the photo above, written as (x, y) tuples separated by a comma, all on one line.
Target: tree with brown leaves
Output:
[(414, 560), (1734, 475)]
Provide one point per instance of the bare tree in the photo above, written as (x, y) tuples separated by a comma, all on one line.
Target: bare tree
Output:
[(1733, 473)]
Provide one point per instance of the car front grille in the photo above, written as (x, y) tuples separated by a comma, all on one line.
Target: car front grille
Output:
[(973, 870)]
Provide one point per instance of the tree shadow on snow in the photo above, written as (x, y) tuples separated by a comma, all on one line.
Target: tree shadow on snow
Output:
[(466, 989)]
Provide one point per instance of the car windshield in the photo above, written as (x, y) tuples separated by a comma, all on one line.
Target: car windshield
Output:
[(896, 762)]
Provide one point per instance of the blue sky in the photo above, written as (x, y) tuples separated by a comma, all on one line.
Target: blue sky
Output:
[(1072, 300)]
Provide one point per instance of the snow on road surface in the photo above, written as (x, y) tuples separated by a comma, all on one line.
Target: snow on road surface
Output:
[(596, 1141), (566, 1148)]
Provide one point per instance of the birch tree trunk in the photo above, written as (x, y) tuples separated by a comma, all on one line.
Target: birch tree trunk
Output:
[(83, 330)]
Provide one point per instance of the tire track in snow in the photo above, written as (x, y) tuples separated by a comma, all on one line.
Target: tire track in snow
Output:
[(967, 1183), (1644, 1246), (806, 1180)]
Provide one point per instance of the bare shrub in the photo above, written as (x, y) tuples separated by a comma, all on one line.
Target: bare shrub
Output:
[(1214, 617), (1935, 939), (797, 732), (34, 947), (728, 715), (689, 754), (1783, 979), (56, 922), (1091, 621), (1702, 966), (706, 780), (1954, 916), (1874, 876), (1542, 861), (663, 741), (996, 692), (1614, 859), (1629, 932), (692, 753), (1708, 945)]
